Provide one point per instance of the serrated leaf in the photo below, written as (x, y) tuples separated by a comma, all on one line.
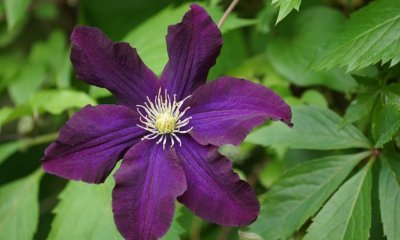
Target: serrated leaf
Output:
[(299, 194), (15, 11), (19, 207), (84, 212), (389, 196), (314, 128), (372, 34), (151, 45), (391, 94), (285, 7), (293, 48), (385, 124), (347, 215)]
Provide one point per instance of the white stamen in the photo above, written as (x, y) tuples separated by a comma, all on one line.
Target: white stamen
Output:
[(163, 118)]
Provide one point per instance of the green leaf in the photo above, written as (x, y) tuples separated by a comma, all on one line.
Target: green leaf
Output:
[(176, 229), (360, 107), (151, 45), (7, 149), (314, 97), (299, 194), (372, 34), (54, 54), (84, 212), (391, 94), (15, 11), (285, 7), (57, 101), (27, 82), (347, 215), (293, 49), (5, 114), (51, 101), (8, 114), (270, 172), (10, 66), (385, 124), (314, 128), (19, 207), (389, 196), (232, 54)]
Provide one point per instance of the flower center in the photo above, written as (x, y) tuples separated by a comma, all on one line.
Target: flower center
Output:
[(163, 118), (165, 123)]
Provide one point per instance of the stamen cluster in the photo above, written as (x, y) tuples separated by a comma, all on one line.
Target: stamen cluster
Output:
[(163, 118)]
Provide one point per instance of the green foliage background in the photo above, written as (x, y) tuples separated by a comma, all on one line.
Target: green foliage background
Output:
[(334, 175)]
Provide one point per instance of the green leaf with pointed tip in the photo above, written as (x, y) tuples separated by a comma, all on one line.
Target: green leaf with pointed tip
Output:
[(389, 196), (371, 35), (299, 193), (15, 11), (84, 212), (285, 7), (314, 128), (347, 215), (385, 124), (19, 207)]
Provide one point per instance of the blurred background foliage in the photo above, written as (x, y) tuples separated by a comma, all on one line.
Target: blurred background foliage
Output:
[(340, 75)]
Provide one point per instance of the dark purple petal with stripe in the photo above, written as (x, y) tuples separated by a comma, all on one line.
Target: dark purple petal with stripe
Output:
[(226, 110), (91, 143), (147, 184), (214, 191), (115, 66), (193, 47)]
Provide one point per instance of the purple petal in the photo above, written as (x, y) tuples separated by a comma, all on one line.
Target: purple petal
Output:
[(115, 66), (193, 47), (214, 191), (226, 110), (91, 143), (147, 184)]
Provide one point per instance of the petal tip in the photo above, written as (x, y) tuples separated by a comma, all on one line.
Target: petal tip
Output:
[(197, 8)]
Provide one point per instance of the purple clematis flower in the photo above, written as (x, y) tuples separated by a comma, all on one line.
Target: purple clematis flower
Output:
[(166, 130)]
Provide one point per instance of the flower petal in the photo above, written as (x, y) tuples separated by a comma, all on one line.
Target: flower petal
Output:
[(91, 143), (214, 191), (147, 184), (226, 110), (115, 66), (193, 47)]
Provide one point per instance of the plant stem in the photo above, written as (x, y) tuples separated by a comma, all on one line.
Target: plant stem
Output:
[(26, 143), (227, 12)]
